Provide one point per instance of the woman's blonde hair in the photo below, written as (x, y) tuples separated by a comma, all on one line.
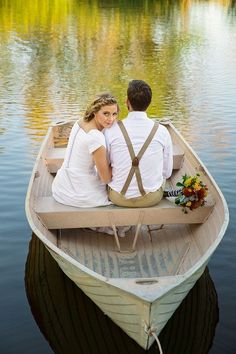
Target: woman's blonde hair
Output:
[(104, 99)]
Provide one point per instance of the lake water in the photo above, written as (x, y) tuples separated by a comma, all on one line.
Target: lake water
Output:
[(54, 56)]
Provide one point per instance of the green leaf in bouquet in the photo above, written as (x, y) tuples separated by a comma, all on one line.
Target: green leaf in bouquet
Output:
[(179, 184), (182, 198)]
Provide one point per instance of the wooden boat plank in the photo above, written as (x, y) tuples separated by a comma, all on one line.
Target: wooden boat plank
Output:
[(144, 263)]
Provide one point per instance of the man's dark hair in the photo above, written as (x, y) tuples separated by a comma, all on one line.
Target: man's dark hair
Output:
[(139, 94)]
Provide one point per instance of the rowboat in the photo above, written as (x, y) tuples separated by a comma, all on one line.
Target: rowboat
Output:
[(140, 280)]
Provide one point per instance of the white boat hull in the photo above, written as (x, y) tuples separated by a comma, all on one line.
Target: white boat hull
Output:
[(134, 315)]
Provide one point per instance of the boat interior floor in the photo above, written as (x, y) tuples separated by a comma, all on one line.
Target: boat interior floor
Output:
[(158, 252)]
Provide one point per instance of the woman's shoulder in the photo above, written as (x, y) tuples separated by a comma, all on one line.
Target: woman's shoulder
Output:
[(95, 136)]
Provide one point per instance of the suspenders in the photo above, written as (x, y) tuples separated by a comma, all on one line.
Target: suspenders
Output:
[(135, 159)]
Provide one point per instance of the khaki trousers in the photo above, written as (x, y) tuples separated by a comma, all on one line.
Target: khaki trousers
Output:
[(147, 200)]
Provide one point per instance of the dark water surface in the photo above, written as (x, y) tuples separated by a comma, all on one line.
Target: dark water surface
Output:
[(54, 56)]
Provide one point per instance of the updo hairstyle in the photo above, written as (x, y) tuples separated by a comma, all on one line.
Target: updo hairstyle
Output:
[(104, 99)]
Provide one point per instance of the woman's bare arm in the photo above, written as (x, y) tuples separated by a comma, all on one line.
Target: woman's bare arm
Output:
[(101, 162)]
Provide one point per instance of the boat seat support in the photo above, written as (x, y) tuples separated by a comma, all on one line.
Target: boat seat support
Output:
[(111, 217), (139, 224)]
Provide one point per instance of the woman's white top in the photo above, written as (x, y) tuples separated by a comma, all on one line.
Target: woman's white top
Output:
[(77, 182)]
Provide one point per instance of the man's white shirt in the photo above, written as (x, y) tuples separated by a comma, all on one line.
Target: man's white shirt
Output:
[(156, 163)]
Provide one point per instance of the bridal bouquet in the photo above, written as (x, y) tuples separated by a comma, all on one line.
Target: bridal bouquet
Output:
[(192, 192)]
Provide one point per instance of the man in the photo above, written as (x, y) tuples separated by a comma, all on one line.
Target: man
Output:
[(140, 152)]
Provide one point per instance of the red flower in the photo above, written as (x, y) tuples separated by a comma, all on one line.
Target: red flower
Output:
[(187, 191), (201, 193), (196, 204)]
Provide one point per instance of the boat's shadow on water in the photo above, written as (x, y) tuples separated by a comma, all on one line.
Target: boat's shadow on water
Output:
[(73, 324)]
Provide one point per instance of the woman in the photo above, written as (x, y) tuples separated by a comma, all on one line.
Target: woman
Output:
[(81, 181)]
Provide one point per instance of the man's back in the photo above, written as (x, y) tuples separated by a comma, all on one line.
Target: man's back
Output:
[(154, 166)]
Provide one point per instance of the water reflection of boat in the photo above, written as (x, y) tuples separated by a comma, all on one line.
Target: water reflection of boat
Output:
[(73, 324), (140, 289)]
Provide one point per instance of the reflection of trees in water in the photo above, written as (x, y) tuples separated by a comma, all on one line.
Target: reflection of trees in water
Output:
[(232, 9), (56, 54), (72, 323), (2, 129), (70, 59)]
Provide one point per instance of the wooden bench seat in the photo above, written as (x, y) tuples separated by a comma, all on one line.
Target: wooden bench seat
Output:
[(59, 216), (55, 158)]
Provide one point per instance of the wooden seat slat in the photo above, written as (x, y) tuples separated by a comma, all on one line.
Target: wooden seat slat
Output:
[(59, 216)]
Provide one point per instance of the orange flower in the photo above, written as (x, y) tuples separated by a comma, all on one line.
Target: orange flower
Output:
[(197, 186), (187, 191)]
